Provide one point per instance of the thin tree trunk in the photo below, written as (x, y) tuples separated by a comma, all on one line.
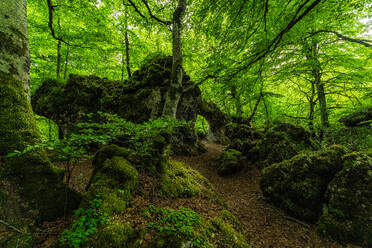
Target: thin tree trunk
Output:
[(238, 104), (320, 89), (175, 88), (59, 55), (127, 56), (66, 62)]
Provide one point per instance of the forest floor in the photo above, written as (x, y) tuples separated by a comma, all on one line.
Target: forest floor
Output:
[(264, 225)]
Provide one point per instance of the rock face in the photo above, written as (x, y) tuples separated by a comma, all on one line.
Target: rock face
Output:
[(363, 117), (347, 216), (298, 185), (139, 99)]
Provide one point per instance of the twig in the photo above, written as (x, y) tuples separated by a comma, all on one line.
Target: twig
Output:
[(297, 221), (12, 227)]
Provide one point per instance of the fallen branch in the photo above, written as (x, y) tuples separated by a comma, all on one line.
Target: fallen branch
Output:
[(297, 221), (9, 226)]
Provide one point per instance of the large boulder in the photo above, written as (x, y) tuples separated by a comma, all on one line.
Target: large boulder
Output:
[(360, 118), (347, 216), (279, 143), (298, 185), (137, 100)]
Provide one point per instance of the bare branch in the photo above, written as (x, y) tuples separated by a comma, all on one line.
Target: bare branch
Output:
[(52, 31), (366, 43)]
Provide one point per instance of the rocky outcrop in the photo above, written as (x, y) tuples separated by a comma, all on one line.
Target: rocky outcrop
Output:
[(137, 100)]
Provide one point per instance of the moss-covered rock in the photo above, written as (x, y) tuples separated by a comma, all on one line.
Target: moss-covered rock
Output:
[(114, 182), (181, 228), (359, 118), (137, 100), (41, 183), (274, 147), (113, 235), (228, 162), (298, 185), (179, 181), (347, 216)]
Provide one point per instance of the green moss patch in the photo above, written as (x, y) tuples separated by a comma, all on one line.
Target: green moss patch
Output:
[(181, 181), (229, 162)]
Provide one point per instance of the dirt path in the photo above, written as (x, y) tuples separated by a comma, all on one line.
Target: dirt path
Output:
[(264, 225)]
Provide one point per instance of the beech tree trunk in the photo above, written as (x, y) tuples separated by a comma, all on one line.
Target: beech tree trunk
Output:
[(66, 62), (319, 88), (14, 52), (59, 55), (40, 183), (175, 89)]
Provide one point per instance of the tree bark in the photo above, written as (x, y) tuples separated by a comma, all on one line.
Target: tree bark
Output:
[(127, 56), (66, 62), (319, 88), (59, 55), (175, 88), (14, 52), (40, 183)]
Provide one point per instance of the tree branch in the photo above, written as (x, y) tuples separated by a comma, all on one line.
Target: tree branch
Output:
[(52, 31), (366, 43), (136, 9)]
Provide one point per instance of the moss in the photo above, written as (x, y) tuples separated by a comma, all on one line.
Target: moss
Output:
[(298, 185), (114, 235), (186, 228), (18, 127), (181, 181), (228, 162), (274, 147), (114, 182), (228, 237), (347, 217)]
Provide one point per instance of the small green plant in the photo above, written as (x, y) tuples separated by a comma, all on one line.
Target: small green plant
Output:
[(86, 222), (179, 223)]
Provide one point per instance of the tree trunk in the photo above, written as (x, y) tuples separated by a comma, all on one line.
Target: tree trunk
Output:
[(14, 53), (59, 55), (39, 181), (175, 88), (127, 56), (319, 88), (238, 104), (66, 62)]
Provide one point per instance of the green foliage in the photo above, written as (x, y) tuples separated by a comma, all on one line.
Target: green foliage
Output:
[(86, 222)]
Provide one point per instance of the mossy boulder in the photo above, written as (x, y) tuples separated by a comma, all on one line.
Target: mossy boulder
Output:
[(274, 147), (41, 183), (179, 181), (113, 235), (229, 162), (347, 215), (186, 228), (114, 182), (359, 118), (298, 185), (137, 100)]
